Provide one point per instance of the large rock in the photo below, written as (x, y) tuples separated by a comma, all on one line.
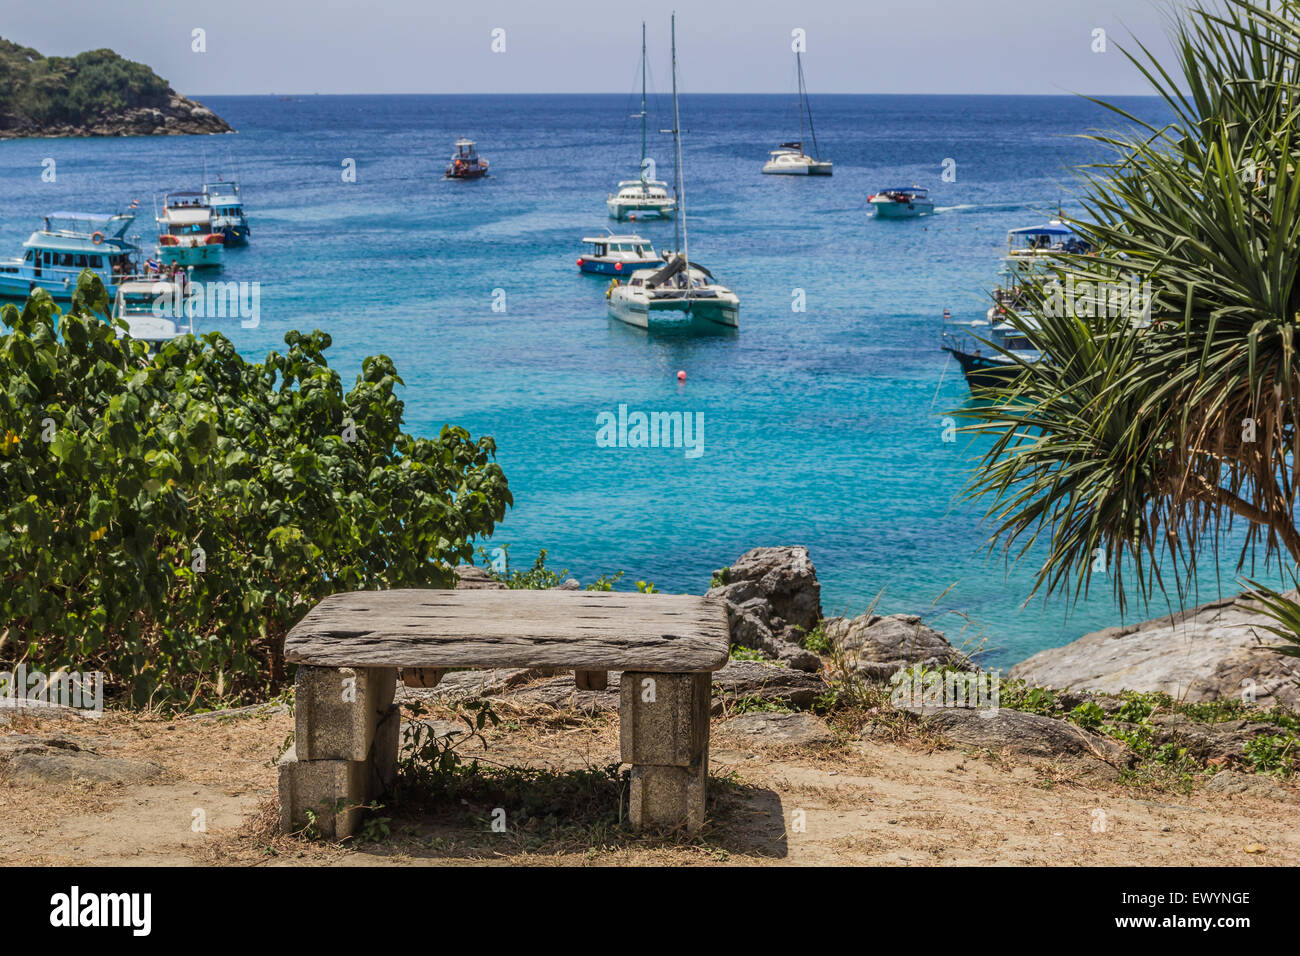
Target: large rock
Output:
[(765, 683), (1018, 732), (1205, 653), (470, 577), (772, 599), (1225, 740), (56, 760), (878, 647), (786, 581), (776, 729), (1235, 783)]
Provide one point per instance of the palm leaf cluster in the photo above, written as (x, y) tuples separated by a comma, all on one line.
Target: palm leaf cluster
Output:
[(1154, 428)]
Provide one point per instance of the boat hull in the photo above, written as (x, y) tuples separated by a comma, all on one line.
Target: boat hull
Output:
[(234, 235), (473, 173), (902, 210), (206, 255), (622, 212), (982, 371), (19, 287), (597, 268), (676, 314)]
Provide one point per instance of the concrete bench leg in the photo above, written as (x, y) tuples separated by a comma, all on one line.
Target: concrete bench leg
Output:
[(664, 735), (344, 755)]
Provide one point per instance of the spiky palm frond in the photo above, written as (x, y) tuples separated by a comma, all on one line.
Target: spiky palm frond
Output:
[(1133, 438)]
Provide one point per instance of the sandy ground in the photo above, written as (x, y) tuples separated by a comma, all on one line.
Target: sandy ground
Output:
[(875, 802)]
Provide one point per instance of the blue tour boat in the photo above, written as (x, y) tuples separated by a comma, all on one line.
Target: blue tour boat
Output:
[(611, 255), (228, 212), (68, 243)]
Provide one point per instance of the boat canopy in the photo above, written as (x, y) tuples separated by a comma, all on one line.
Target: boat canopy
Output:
[(675, 265), (83, 216), (915, 190), (1046, 229)]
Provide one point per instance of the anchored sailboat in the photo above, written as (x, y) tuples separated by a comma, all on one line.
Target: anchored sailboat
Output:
[(682, 292), (645, 195), (789, 159)]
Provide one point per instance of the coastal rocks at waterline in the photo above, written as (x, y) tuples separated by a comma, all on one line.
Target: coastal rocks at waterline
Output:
[(177, 116), (1217, 650), (878, 646), (772, 598)]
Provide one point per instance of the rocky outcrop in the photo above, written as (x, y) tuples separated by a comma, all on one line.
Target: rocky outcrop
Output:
[(30, 760), (469, 577), (176, 117), (782, 730), (1017, 732), (765, 683), (1212, 651), (773, 599), (877, 647)]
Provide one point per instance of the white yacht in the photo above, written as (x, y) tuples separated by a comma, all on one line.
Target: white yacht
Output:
[(682, 293), (644, 196), (155, 310), (789, 159)]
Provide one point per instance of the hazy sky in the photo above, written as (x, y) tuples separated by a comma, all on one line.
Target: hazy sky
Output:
[(435, 46)]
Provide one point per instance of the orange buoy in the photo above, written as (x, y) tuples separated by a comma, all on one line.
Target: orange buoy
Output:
[(681, 376)]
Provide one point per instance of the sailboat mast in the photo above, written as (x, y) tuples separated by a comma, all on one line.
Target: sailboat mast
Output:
[(679, 187), (799, 67), (643, 172), (803, 101)]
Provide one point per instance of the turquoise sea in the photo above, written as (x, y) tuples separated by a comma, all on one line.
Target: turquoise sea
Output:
[(821, 427)]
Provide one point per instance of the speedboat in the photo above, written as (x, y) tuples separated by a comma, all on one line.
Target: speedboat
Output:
[(187, 237), (644, 196), (901, 202), (155, 310), (67, 243), (789, 159), (672, 297), (227, 212), (465, 162), (611, 255)]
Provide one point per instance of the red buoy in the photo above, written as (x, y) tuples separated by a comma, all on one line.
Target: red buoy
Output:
[(618, 267), (579, 263), (681, 376)]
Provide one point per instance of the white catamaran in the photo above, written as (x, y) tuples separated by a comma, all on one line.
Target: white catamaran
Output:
[(789, 159), (642, 196), (682, 293)]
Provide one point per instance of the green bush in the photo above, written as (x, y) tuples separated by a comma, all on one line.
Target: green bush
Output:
[(167, 521)]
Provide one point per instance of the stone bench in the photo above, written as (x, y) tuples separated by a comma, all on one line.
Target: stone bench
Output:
[(350, 647)]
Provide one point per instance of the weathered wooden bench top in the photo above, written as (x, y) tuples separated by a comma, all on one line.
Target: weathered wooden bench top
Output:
[(582, 630)]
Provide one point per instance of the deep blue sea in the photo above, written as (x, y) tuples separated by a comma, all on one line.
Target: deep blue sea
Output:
[(821, 427)]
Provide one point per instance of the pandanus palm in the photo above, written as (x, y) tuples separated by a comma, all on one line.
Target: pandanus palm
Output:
[(1148, 434)]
